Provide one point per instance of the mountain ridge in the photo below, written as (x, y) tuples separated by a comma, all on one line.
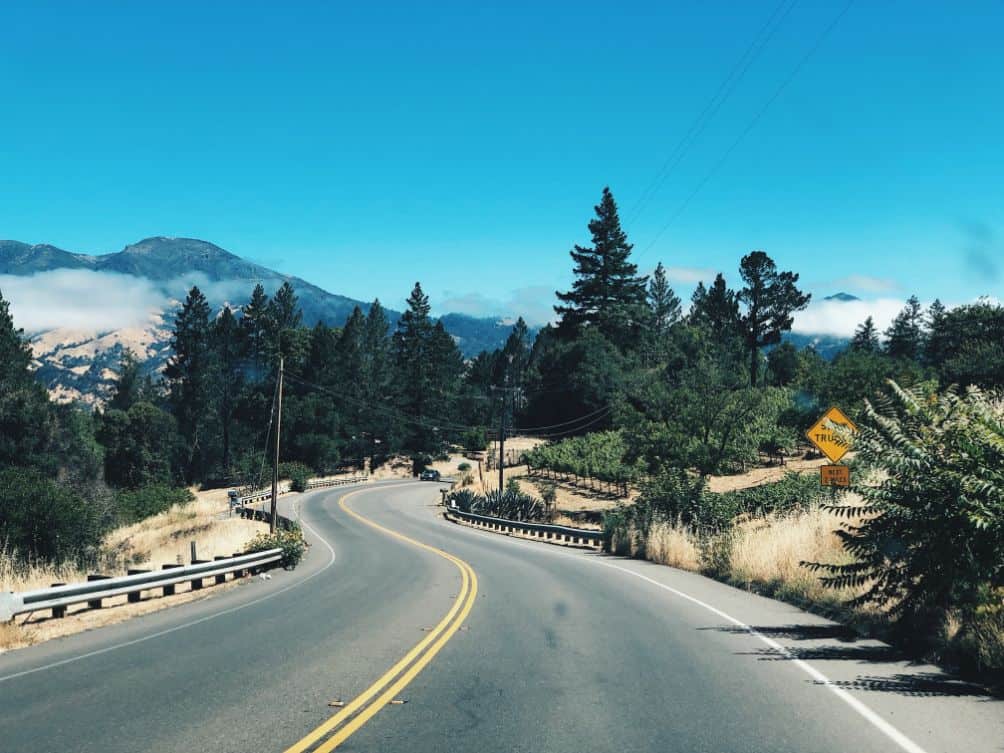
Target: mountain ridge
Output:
[(74, 366)]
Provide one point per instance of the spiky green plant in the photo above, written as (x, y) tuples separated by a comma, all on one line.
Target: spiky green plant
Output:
[(929, 540)]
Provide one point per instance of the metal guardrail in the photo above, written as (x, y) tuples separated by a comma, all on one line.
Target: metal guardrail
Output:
[(58, 598), (543, 531), (337, 481)]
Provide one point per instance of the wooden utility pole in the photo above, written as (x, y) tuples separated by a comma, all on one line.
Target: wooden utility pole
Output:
[(502, 445), (275, 468), (505, 391)]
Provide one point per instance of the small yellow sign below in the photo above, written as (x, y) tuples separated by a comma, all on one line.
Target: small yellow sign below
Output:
[(822, 433), (834, 475)]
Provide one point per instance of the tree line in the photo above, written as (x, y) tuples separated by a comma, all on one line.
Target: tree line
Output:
[(708, 389)]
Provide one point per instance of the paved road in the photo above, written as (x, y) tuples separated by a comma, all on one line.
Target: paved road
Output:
[(561, 650)]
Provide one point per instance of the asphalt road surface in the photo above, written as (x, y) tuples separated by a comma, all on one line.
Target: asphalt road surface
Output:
[(404, 632)]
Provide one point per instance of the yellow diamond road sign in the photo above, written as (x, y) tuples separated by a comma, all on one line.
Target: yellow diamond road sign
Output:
[(822, 433)]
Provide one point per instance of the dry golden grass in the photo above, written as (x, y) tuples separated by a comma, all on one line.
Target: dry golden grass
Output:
[(158, 540), (674, 545), (768, 552)]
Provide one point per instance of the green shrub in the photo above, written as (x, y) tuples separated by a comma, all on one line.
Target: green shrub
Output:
[(930, 541), (795, 491), (133, 505), (298, 475), (508, 504), (291, 542), (465, 466), (43, 520), (475, 440)]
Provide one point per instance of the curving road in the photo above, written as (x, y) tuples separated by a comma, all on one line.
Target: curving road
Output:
[(454, 639)]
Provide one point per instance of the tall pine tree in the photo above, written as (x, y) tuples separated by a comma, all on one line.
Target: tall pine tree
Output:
[(866, 337), (193, 378), (414, 367), (664, 306), (771, 299), (607, 293), (905, 336), (716, 309)]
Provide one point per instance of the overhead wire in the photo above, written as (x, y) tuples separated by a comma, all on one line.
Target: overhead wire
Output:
[(711, 108), (750, 126)]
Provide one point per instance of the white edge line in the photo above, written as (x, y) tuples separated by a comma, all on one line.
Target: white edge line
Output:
[(185, 625), (869, 715), (881, 724)]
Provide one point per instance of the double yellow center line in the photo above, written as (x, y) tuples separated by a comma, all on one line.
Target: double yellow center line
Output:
[(342, 725)]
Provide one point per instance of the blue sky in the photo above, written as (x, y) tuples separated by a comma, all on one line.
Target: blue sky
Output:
[(363, 146)]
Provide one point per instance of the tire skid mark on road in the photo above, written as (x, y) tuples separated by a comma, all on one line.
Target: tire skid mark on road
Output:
[(342, 725)]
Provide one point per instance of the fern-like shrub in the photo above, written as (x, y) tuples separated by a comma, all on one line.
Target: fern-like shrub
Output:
[(929, 534)]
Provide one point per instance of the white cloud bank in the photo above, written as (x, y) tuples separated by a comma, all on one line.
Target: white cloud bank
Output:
[(841, 318), (91, 301), (81, 299), (534, 303)]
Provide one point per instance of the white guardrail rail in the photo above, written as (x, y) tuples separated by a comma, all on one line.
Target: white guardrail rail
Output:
[(541, 531), (98, 587), (101, 587)]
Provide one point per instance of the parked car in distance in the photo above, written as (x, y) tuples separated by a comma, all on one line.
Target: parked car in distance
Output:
[(429, 475)]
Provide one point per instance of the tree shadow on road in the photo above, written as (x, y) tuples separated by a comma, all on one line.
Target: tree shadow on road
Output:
[(839, 643)]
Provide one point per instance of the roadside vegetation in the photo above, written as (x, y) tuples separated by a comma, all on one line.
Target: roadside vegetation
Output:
[(635, 396), (159, 539)]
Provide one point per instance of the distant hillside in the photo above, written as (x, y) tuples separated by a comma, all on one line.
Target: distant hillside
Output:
[(78, 364)]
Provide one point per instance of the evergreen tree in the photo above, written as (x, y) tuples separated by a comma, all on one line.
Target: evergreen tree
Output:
[(966, 345), (717, 309), (905, 336), (255, 328), (128, 386), (226, 342), (379, 380), (322, 356), (664, 306), (286, 338), (26, 420), (414, 366), (607, 292), (447, 367), (771, 299), (933, 345), (866, 337), (515, 358), (193, 377), (352, 376), (15, 352)]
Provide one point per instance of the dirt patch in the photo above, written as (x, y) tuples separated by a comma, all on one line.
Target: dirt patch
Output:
[(759, 476)]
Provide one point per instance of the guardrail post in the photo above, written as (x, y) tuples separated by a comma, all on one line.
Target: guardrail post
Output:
[(135, 596), (221, 577), (197, 582), (169, 589), (58, 612), (96, 603), (239, 572)]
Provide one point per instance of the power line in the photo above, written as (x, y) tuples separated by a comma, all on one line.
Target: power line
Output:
[(749, 127), (604, 409), (431, 422), (725, 89)]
